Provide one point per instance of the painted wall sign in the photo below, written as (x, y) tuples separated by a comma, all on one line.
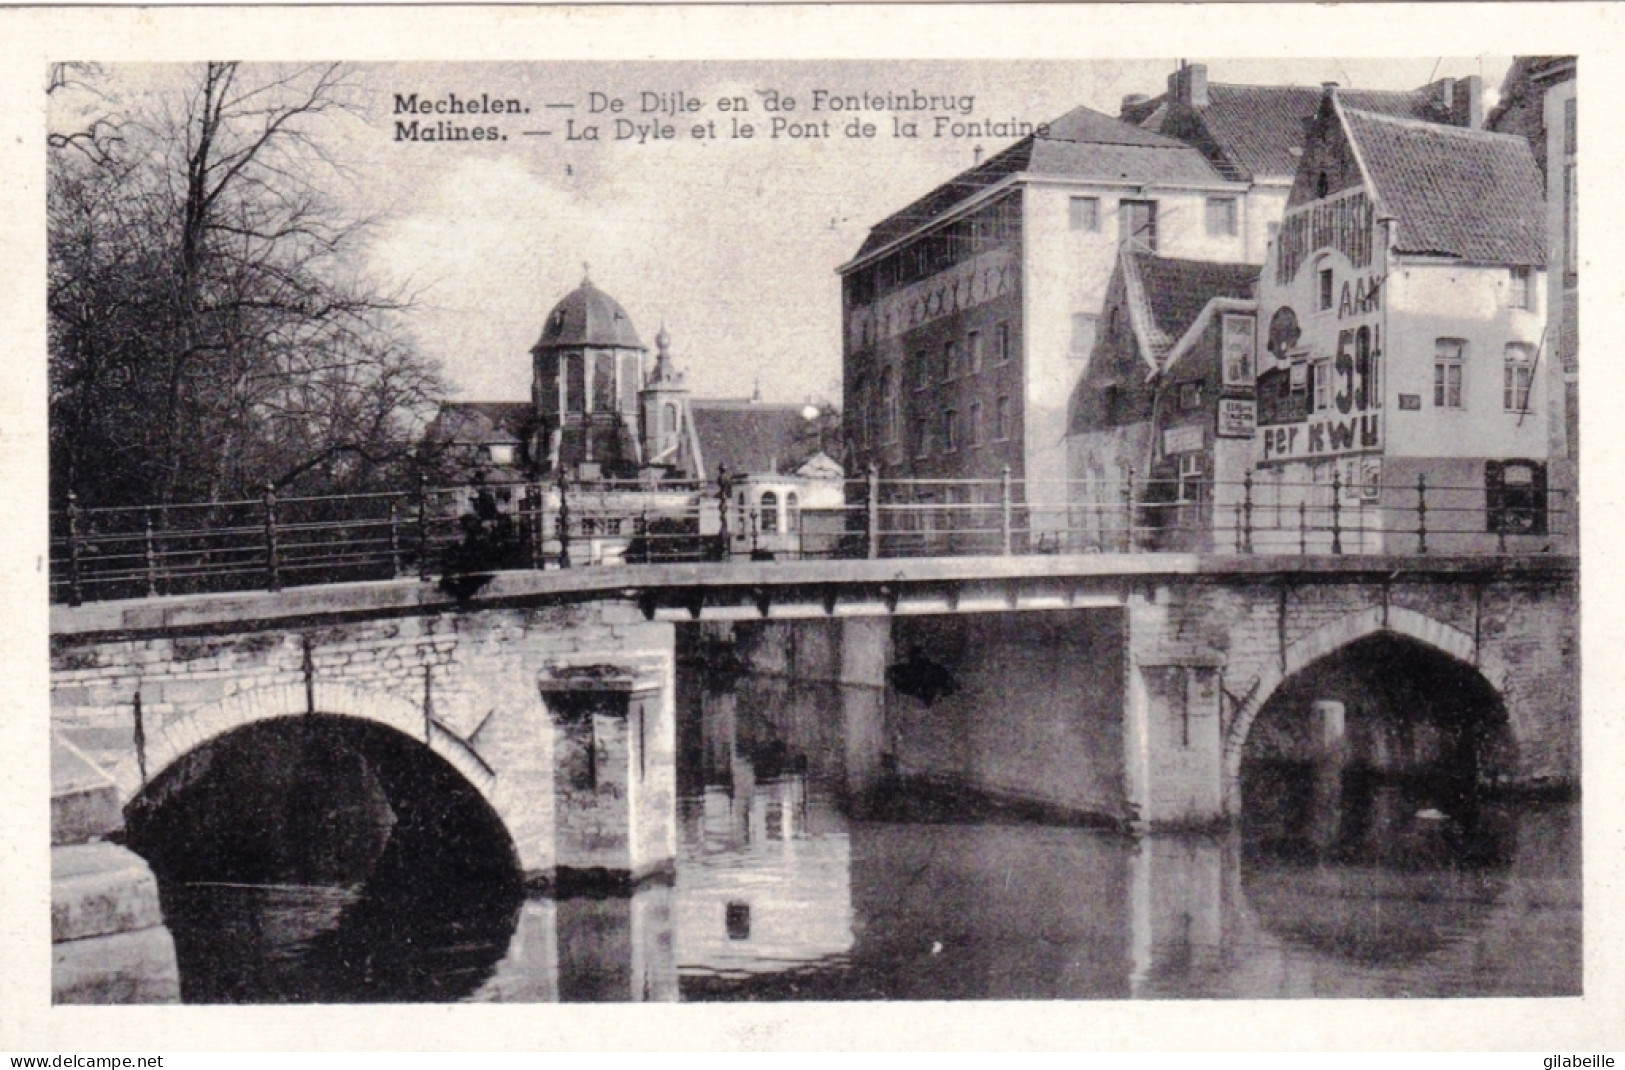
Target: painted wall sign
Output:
[(1323, 437), (1238, 417), (1187, 439), (1237, 348), (1336, 410)]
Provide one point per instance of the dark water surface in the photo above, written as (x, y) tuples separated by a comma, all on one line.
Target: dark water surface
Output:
[(800, 877)]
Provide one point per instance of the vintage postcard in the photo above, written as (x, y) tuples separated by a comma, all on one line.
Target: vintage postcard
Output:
[(1062, 525)]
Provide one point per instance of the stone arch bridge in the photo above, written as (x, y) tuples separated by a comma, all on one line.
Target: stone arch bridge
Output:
[(537, 673)]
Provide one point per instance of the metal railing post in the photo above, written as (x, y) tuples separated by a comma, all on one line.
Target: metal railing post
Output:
[(1128, 509), (1239, 548), (151, 554), (273, 566), (423, 527), (1421, 512), (394, 540), (536, 545), (76, 593), (1303, 528), (1247, 513), (564, 521), (874, 510), (1006, 513), (1337, 511)]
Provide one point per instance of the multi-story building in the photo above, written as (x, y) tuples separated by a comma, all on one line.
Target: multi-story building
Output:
[(1401, 314), (969, 315), (1255, 133), (1556, 77)]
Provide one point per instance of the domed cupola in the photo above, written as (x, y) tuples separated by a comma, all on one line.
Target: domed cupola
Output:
[(588, 372), (588, 317)]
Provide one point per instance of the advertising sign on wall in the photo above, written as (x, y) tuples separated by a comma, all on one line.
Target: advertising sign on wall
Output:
[(1238, 417), (1237, 342)]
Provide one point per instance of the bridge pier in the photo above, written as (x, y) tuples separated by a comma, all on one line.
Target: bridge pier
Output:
[(613, 777)]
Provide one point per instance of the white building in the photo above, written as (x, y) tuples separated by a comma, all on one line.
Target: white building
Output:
[(1401, 319)]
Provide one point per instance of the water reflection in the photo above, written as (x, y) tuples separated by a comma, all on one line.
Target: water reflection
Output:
[(803, 874), (789, 888)]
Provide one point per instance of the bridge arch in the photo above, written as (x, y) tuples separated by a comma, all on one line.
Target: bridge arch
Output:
[(1336, 635), (211, 722)]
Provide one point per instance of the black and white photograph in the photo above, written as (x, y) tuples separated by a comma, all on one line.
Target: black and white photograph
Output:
[(741, 530)]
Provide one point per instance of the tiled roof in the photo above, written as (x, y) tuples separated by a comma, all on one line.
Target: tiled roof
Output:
[(749, 436), (1172, 293), (1083, 143), (480, 422), (1252, 131), (587, 316), (1454, 192)]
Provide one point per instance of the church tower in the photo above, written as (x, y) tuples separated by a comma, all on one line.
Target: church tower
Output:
[(664, 402), (585, 391)]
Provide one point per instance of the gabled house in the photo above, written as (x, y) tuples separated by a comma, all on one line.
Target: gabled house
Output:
[(1402, 316), (1254, 134), (1156, 440)]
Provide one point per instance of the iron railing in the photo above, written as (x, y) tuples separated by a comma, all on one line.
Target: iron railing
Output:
[(273, 541)]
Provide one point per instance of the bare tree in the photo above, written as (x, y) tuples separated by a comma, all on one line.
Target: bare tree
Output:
[(211, 331)]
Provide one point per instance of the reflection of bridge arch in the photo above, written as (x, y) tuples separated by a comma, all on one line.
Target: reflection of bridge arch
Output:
[(211, 722), (1329, 639)]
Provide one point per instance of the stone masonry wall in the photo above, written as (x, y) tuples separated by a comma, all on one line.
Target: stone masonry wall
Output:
[(466, 681)]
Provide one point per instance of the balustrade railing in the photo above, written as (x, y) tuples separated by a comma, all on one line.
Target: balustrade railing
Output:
[(274, 541)]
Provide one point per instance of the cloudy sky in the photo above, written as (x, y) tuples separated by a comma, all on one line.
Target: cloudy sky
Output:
[(731, 243)]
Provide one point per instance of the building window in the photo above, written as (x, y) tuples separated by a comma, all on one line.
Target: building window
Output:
[(770, 513), (1447, 365), (1571, 228), (575, 383), (1325, 302), (1001, 419), (1520, 373), (1190, 477), (1520, 294), (1221, 216), (792, 512), (922, 438), (975, 345), (950, 361), (1570, 127), (950, 421), (1190, 395), (1323, 185), (1137, 224), (1085, 213), (1001, 342), (922, 370), (976, 423), (1320, 396), (1083, 334), (888, 406), (603, 382)]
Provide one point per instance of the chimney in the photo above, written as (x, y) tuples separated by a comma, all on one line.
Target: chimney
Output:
[(1130, 102), (1188, 85), (1474, 104), (1446, 98), (1196, 85)]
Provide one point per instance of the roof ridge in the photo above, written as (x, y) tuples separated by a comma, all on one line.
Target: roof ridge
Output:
[(1433, 127)]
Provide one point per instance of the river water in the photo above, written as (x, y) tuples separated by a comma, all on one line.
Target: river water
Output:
[(798, 879)]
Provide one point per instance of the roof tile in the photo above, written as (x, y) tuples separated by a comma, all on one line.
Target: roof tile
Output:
[(1454, 192)]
